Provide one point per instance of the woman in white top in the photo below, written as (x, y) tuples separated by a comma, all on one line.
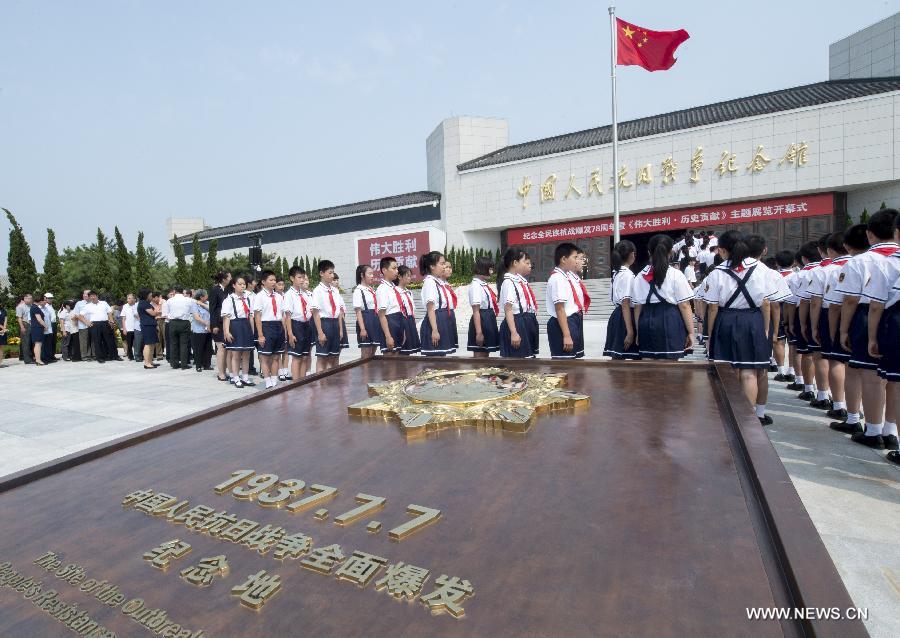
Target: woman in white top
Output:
[(620, 330), (662, 298)]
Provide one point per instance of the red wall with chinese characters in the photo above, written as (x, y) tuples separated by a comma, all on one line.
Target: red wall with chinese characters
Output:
[(733, 213), (405, 248)]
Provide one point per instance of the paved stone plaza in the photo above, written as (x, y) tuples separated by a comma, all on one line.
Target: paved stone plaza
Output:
[(851, 493)]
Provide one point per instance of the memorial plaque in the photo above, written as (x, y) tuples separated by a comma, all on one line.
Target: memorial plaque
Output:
[(414, 497)]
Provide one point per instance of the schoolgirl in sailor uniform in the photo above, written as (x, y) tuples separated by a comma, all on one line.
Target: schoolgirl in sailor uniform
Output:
[(453, 303), (662, 296), (411, 343), (620, 329), (565, 297), (391, 309), (484, 336), (519, 328), (236, 313), (327, 308), (365, 305), (297, 315), (438, 326)]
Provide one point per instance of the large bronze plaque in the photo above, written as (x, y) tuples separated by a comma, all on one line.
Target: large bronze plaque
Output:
[(660, 508)]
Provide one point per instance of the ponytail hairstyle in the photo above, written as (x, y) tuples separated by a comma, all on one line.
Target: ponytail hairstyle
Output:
[(428, 260), (659, 246), (361, 273), (734, 242), (620, 254), (401, 271), (511, 255)]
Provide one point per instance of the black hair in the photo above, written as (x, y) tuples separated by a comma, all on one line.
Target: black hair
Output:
[(564, 250), (684, 263), (220, 276), (324, 265), (689, 240), (266, 274), (836, 242), (620, 254), (757, 245), (810, 251), (428, 260), (700, 270), (296, 270), (717, 260), (68, 303), (236, 277), (386, 262), (401, 271), (279, 278), (771, 263), (784, 258), (856, 238), (143, 293), (484, 265), (734, 242), (511, 255), (659, 247), (361, 272), (91, 292), (881, 224), (822, 244)]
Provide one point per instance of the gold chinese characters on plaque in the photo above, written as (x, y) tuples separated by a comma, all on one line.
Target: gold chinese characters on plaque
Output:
[(490, 397)]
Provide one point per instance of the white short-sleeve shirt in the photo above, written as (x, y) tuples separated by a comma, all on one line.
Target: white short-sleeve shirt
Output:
[(857, 272), (778, 284), (389, 298), (674, 290), (364, 298), (482, 295), (129, 314), (830, 295), (297, 304), (878, 288), (323, 295), (407, 299), (235, 307), (432, 292), (721, 285), (561, 288), (262, 305), (513, 292), (621, 285)]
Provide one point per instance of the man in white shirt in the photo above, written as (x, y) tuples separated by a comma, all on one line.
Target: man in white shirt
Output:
[(23, 316), (98, 316), (129, 319), (178, 308), (85, 347)]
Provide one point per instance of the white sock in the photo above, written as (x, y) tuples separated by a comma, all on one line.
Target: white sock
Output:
[(245, 377), (791, 370), (821, 394), (808, 387), (840, 405), (852, 417), (771, 360), (799, 379), (889, 429), (783, 369), (760, 410), (873, 429)]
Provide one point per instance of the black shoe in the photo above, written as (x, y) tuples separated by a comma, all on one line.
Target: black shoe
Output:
[(765, 420), (875, 441), (893, 457), (238, 383), (790, 378), (773, 367), (794, 386), (779, 377), (837, 414), (118, 359), (250, 383), (101, 360), (176, 367), (207, 368), (891, 442), (806, 396), (281, 377), (252, 371), (288, 377), (847, 428), (820, 404), (199, 369)]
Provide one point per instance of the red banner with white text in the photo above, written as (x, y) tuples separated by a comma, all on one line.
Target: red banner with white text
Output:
[(405, 248)]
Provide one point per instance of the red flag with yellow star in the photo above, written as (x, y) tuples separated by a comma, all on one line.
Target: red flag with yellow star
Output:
[(653, 50)]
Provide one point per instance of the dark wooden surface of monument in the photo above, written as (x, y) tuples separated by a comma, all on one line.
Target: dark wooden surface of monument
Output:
[(661, 509)]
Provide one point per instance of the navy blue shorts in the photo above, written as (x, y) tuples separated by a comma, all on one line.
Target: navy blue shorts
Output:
[(334, 343), (303, 332), (889, 344), (555, 337), (273, 331), (859, 340), (411, 344), (397, 327)]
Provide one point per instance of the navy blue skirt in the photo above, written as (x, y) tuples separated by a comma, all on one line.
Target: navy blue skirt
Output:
[(447, 329), (889, 344), (241, 333), (304, 333), (411, 344), (739, 338), (661, 331), (615, 338), (373, 329), (488, 329), (334, 342), (454, 331), (527, 327), (37, 332), (397, 327), (555, 337), (273, 331), (859, 340)]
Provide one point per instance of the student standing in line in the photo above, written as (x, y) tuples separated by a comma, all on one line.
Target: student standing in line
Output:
[(452, 301), (284, 364), (812, 305), (834, 258), (565, 305), (484, 338), (411, 343), (268, 315), (792, 322), (855, 330), (147, 314), (620, 329), (756, 245), (236, 314), (436, 329), (856, 242), (297, 314), (217, 296), (662, 299), (519, 328), (810, 259), (365, 304), (783, 262), (327, 316), (391, 309)]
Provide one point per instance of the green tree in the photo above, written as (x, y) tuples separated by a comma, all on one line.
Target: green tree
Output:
[(198, 266), (101, 275), (124, 281), (883, 206), (212, 263), (20, 269), (52, 280), (142, 275), (182, 274), (296, 263), (864, 217)]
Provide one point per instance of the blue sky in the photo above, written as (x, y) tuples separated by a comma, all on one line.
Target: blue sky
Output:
[(129, 112)]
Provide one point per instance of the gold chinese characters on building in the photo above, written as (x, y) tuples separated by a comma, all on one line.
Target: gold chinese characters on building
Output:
[(490, 397)]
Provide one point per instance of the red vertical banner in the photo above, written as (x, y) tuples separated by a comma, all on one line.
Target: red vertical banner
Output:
[(405, 248)]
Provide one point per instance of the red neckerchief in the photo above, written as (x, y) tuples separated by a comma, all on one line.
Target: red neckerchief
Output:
[(585, 295), (246, 307), (648, 276), (412, 308), (572, 287), (374, 298), (442, 293), (885, 249), (840, 261), (299, 293), (399, 299), (811, 265), (493, 297), (331, 299), (785, 273), (274, 305), (529, 293), (452, 294), (824, 262)]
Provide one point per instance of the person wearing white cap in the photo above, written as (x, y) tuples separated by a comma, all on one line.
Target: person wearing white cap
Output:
[(48, 352)]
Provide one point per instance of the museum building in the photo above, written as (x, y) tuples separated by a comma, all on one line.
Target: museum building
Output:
[(791, 165)]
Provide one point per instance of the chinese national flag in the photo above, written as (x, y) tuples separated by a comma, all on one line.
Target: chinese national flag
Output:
[(653, 50)]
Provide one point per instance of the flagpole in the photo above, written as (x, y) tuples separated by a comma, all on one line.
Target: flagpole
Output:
[(615, 124)]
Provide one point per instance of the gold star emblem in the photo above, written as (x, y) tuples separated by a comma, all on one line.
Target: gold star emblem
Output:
[(628, 32), (486, 397)]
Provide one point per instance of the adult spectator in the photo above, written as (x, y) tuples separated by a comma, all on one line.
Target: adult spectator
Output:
[(85, 347), (23, 316), (216, 296), (37, 328), (2, 334), (99, 316), (65, 316), (129, 320), (48, 352), (179, 312), (147, 313), (201, 343)]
